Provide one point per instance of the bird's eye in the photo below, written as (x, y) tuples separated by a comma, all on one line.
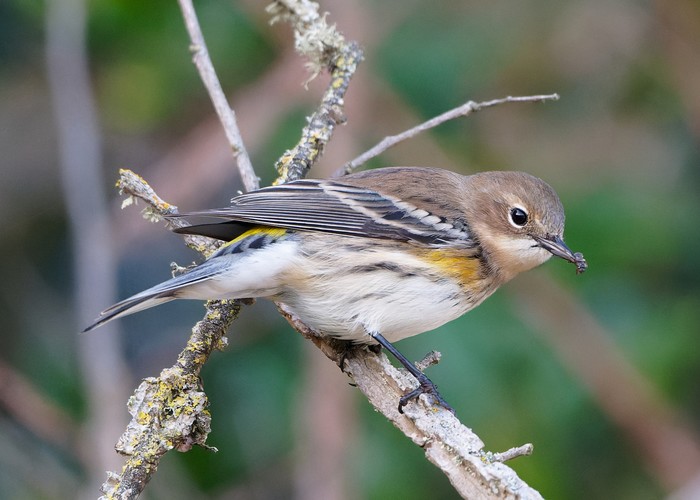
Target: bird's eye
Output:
[(518, 216)]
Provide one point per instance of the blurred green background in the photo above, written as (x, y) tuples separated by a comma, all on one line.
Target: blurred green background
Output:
[(600, 371)]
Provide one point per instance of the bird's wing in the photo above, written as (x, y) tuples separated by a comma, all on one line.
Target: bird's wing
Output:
[(334, 207)]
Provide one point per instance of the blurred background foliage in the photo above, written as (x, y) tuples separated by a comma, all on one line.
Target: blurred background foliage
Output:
[(621, 148)]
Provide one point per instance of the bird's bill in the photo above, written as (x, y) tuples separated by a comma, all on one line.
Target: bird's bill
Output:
[(556, 246)]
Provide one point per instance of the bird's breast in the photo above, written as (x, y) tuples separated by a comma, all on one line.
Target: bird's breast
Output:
[(345, 287)]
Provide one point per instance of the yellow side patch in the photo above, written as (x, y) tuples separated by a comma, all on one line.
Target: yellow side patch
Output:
[(274, 232), (466, 269)]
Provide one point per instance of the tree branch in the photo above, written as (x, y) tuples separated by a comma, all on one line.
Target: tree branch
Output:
[(226, 115), (324, 47), (168, 412), (447, 443), (465, 109)]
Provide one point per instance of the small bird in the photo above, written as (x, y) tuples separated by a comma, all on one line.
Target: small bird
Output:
[(375, 256)]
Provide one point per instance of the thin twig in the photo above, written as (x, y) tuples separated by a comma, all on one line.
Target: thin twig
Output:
[(430, 359), (515, 452), (465, 109), (227, 116), (136, 188)]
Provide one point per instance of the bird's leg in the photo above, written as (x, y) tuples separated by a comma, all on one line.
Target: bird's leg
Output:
[(425, 385)]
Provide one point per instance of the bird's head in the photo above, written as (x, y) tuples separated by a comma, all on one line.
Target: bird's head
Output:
[(518, 220)]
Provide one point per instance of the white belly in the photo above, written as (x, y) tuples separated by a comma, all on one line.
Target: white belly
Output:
[(345, 296)]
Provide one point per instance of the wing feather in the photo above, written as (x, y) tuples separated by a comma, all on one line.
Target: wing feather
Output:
[(341, 208)]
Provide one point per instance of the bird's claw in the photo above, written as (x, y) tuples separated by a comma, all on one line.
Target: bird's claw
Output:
[(425, 386)]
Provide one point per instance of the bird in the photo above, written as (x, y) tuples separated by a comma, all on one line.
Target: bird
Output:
[(373, 257)]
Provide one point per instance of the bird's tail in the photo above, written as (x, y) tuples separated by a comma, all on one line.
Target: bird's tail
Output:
[(159, 294), (228, 273)]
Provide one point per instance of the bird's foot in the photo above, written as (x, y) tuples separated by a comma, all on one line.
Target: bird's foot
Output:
[(425, 386)]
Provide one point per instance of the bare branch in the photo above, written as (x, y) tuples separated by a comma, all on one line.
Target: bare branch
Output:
[(465, 109), (447, 443), (211, 82), (430, 359), (515, 452)]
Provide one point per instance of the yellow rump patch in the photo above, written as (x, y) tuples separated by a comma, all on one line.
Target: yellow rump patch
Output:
[(274, 232)]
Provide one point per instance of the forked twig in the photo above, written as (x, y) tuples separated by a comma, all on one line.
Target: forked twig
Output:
[(465, 109)]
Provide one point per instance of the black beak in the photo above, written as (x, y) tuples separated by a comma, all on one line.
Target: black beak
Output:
[(556, 246)]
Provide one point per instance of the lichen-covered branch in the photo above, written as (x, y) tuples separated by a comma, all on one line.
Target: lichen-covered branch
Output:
[(135, 188), (170, 411), (324, 47)]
